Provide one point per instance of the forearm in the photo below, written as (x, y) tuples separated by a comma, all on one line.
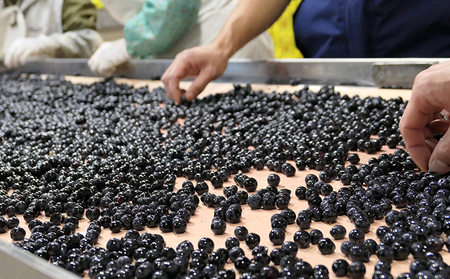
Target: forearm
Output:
[(249, 19), (76, 44)]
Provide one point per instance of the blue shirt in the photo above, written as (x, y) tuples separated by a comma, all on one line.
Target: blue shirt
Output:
[(373, 28)]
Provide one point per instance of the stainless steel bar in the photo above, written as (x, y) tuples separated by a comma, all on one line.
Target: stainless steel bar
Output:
[(16, 263), (359, 72)]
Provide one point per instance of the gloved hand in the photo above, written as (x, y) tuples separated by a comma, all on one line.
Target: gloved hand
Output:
[(108, 56), (23, 48)]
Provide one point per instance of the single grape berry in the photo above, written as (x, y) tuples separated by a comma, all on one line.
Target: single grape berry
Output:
[(254, 201), (316, 236), (179, 225), (252, 240), (273, 179), (326, 246), (356, 270), (17, 233), (241, 233), (288, 215), (302, 239), (277, 236), (218, 226), (340, 267), (300, 192), (353, 158), (303, 269), (206, 244), (114, 244), (338, 232), (231, 242), (250, 184), (356, 236), (92, 213)]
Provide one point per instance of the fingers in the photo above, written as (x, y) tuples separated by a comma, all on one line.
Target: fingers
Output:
[(11, 56), (96, 59), (101, 68), (199, 84), (92, 64), (438, 127), (171, 80), (426, 101), (205, 63), (104, 61), (413, 127), (18, 53), (174, 92), (440, 158), (23, 57)]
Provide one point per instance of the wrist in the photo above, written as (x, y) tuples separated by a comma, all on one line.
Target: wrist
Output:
[(122, 43), (51, 46), (224, 46)]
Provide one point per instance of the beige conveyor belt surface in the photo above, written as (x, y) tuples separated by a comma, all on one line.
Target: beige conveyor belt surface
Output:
[(258, 221)]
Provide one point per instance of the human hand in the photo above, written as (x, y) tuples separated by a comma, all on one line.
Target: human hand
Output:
[(23, 48), (205, 63), (423, 119), (108, 56)]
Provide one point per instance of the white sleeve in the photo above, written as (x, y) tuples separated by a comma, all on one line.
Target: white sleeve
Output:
[(77, 44)]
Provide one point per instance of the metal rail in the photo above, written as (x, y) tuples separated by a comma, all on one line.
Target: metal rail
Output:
[(392, 73), (16, 263)]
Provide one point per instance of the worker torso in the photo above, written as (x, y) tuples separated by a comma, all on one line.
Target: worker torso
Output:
[(41, 16), (211, 18), (373, 28), (28, 18)]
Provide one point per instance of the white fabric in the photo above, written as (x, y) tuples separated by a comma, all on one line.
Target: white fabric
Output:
[(212, 16), (42, 16), (77, 43), (73, 44), (108, 56), (39, 34), (12, 27), (22, 48), (123, 10)]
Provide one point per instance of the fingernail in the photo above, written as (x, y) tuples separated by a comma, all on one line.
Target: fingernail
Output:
[(439, 166)]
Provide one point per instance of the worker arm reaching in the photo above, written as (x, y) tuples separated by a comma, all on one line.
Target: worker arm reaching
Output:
[(153, 30), (249, 19)]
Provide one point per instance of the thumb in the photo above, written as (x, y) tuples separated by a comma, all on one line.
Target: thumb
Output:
[(440, 158), (199, 84)]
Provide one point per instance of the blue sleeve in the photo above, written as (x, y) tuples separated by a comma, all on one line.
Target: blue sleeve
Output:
[(159, 25)]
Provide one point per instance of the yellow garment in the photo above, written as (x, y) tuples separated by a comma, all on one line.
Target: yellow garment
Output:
[(282, 32), (98, 4)]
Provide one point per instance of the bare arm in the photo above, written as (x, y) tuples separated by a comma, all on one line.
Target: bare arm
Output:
[(249, 19)]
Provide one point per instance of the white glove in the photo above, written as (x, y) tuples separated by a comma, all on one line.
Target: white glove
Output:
[(108, 56), (23, 48)]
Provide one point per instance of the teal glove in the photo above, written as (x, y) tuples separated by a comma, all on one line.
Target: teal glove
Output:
[(159, 25)]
